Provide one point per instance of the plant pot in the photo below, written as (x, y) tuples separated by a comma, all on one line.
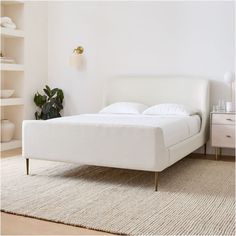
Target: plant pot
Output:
[(7, 130)]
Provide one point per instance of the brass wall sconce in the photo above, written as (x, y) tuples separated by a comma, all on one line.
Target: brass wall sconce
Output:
[(76, 59), (78, 50)]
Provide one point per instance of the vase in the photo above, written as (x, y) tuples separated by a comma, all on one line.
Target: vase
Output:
[(7, 130), (229, 107)]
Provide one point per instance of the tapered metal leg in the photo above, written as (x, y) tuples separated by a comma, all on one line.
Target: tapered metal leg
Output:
[(221, 152), (205, 149), (27, 166), (156, 180)]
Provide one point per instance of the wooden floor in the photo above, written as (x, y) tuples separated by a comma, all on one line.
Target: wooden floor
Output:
[(19, 225)]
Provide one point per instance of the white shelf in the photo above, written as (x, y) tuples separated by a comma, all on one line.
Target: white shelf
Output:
[(15, 143), (11, 67), (6, 2), (11, 102), (12, 33)]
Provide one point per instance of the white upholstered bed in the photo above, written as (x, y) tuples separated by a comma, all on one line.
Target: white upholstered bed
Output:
[(126, 141)]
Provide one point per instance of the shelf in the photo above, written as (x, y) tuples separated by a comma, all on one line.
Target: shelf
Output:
[(15, 143), (11, 67), (12, 33), (11, 102)]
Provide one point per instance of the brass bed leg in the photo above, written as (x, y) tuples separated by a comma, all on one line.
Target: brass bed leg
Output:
[(205, 149), (27, 166), (156, 180), (220, 152)]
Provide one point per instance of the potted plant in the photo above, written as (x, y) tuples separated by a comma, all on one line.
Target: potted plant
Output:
[(49, 104)]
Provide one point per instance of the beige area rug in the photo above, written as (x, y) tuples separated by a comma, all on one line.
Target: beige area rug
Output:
[(195, 196)]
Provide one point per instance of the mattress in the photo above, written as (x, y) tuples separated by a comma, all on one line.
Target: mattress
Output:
[(175, 128)]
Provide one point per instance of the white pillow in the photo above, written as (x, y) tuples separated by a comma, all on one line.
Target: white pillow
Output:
[(124, 108), (170, 109)]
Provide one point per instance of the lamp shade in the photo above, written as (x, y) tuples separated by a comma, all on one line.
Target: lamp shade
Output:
[(229, 77), (75, 60)]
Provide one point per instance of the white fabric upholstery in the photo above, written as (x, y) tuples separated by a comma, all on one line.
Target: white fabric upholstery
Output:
[(131, 146), (124, 108), (170, 109), (126, 138)]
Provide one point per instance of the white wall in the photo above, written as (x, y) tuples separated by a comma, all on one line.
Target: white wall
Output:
[(36, 58), (143, 38)]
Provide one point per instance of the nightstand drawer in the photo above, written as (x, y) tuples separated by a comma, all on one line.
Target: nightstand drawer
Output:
[(223, 136), (227, 119)]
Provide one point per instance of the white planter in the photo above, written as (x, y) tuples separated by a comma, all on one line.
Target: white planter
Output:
[(7, 130)]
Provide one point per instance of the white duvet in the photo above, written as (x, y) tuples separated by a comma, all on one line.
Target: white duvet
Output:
[(175, 128)]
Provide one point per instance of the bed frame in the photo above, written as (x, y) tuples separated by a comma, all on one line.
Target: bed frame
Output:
[(193, 92)]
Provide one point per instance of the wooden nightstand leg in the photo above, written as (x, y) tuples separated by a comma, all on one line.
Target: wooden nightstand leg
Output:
[(216, 149)]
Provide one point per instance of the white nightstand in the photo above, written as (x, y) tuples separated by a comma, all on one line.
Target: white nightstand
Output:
[(222, 130)]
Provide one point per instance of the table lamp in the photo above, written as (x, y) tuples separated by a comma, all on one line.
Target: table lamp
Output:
[(229, 78)]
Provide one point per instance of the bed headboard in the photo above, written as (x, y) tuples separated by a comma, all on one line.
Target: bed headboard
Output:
[(193, 92)]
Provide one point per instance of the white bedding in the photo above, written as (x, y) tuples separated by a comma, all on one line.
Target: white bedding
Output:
[(175, 128)]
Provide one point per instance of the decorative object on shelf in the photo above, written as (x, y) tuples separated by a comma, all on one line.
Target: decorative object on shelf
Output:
[(7, 130), (50, 104), (220, 107), (229, 78), (76, 59), (6, 59), (7, 22), (6, 93), (229, 107)]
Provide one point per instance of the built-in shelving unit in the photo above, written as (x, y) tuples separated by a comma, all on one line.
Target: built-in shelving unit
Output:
[(12, 75)]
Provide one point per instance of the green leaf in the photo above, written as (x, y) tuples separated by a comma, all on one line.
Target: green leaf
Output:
[(46, 107), (36, 115), (54, 113), (47, 87), (58, 104), (60, 95), (47, 92), (54, 91), (39, 100)]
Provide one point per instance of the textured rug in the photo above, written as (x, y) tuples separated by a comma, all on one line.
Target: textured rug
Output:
[(195, 197)]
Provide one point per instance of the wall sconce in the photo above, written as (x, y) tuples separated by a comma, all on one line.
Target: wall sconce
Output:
[(76, 57)]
